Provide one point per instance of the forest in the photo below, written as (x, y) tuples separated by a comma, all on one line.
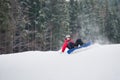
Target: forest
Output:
[(30, 25)]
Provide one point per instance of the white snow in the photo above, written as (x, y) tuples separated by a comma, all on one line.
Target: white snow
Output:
[(97, 62)]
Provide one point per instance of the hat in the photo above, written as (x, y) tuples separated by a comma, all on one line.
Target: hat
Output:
[(67, 36)]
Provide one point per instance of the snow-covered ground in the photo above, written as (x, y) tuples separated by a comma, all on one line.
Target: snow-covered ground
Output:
[(97, 62)]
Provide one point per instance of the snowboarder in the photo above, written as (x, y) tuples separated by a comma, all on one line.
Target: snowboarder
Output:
[(69, 43)]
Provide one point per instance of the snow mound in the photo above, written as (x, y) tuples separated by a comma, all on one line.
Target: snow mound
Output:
[(97, 62)]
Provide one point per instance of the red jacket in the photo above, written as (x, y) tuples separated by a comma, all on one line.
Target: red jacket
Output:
[(65, 44)]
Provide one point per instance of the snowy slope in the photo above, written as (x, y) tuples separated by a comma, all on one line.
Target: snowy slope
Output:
[(94, 63)]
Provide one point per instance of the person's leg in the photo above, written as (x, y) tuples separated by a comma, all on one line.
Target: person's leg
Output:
[(70, 45), (79, 42)]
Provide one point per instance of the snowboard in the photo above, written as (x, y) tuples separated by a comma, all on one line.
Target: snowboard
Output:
[(83, 46)]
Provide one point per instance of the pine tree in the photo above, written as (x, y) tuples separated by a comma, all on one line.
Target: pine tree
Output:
[(5, 27), (59, 21), (74, 13), (112, 24)]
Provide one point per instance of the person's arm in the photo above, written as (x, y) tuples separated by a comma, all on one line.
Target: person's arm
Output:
[(64, 46)]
